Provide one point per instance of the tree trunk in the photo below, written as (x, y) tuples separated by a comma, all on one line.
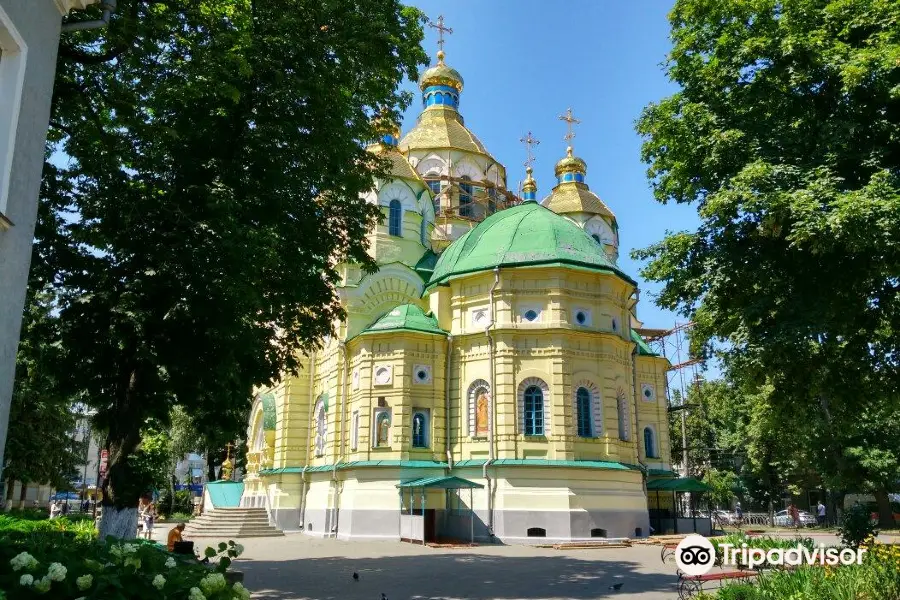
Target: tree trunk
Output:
[(171, 494), (885, 512), (210, 467), (22, 493), (119, 522)]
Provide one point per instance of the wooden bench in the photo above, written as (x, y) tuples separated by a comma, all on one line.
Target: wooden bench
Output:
[(690, 585)]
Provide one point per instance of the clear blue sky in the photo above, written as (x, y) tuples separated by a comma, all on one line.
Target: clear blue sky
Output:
[(525, 61)]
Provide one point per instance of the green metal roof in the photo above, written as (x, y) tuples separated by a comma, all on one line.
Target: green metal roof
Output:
[(661, 473), (268, 406), (406, 317), (425, 266), (536, 462), (523, 235), (682, 484), (643, 348), (447, 482)]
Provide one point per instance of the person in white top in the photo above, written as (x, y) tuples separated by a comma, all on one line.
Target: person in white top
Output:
[(820, 514)]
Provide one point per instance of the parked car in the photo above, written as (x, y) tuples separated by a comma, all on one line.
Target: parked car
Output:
[(783, 519)]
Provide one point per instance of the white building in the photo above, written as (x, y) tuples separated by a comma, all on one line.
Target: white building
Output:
[(29, 39)]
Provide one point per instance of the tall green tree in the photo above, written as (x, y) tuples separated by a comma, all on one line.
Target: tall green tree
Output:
[(784, 135), (42, 447), (216, 165)]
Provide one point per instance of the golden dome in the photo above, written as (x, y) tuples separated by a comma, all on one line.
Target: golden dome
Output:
[(440, 127), (570, 164), (529, 187), (441, 74)]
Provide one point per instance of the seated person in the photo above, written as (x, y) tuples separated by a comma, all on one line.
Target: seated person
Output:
[(175, 543)]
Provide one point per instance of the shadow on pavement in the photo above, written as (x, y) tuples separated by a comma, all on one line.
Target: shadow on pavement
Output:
[(447, 576)]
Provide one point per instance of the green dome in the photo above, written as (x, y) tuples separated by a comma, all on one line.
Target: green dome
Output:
[(524, 235), (407, 317)]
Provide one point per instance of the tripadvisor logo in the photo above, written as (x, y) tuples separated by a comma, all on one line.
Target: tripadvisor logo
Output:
[(695, 555)]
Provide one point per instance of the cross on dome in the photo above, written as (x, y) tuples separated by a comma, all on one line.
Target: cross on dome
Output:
[(570, 120), (441, 29), (529, 141)]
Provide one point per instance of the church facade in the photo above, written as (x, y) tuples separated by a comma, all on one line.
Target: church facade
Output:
[(494, 348)]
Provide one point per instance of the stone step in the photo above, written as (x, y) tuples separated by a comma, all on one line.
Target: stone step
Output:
[(231, 523)]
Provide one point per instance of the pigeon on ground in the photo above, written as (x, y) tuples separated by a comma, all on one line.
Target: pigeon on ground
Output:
[(383, 597), (355, 576), (616, 586)]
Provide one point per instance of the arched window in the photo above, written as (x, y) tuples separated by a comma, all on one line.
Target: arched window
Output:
[(649, 443), (395, 219), (534, 411), (419, 437), (435, 186), (583, 409), (465, 198)]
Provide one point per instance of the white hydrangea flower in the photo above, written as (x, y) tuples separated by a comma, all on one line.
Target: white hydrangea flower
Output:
[(240, 592), (56, 572), (42, 585), (129, 548), (26, 579), (239, 549), (133, 561), (170, 562), (159, 581), (196, 594), (213, 583), (23, 560), (84, 582)]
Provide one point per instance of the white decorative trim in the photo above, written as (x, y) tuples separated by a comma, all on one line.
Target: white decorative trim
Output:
[(383, 375), (354, 430), (472, 396), (375, 414), (421, 374), (648, 392), (321, 422), (652, 428), (545, 394), (623, 412), (588, 316), (479, 316), (12, 81), (596, 407), (356, 379)]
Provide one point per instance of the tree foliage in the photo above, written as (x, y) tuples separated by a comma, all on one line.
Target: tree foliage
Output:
[(784, 134), (41, 448), (215, 166)]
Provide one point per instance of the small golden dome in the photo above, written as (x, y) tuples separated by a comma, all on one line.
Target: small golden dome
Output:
[(441, 74), (570, 164), (530, 184)]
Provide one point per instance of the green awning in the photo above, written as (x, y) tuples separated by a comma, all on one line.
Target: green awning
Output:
[(447, 482), (681, 484)]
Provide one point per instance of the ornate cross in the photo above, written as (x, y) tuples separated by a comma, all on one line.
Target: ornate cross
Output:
[(570, 121), (228, 448), (441, 29), (529, 141)]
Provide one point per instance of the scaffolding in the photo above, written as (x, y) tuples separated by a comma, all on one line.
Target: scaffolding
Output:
[(685, 372), (459, 200)]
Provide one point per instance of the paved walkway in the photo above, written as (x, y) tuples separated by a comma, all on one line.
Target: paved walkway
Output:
[(297, 567)]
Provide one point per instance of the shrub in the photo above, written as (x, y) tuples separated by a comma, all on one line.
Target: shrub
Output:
[(52, 565), (184, 502), (857, 527)]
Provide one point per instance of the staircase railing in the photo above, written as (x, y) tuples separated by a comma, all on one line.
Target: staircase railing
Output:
[(268, 506)]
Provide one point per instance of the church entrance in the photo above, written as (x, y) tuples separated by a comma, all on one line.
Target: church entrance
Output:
[(419, 523)]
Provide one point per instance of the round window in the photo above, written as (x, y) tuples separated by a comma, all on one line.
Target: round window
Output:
[(648, 393), (422, 375), (531, 315), (580, 317)]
